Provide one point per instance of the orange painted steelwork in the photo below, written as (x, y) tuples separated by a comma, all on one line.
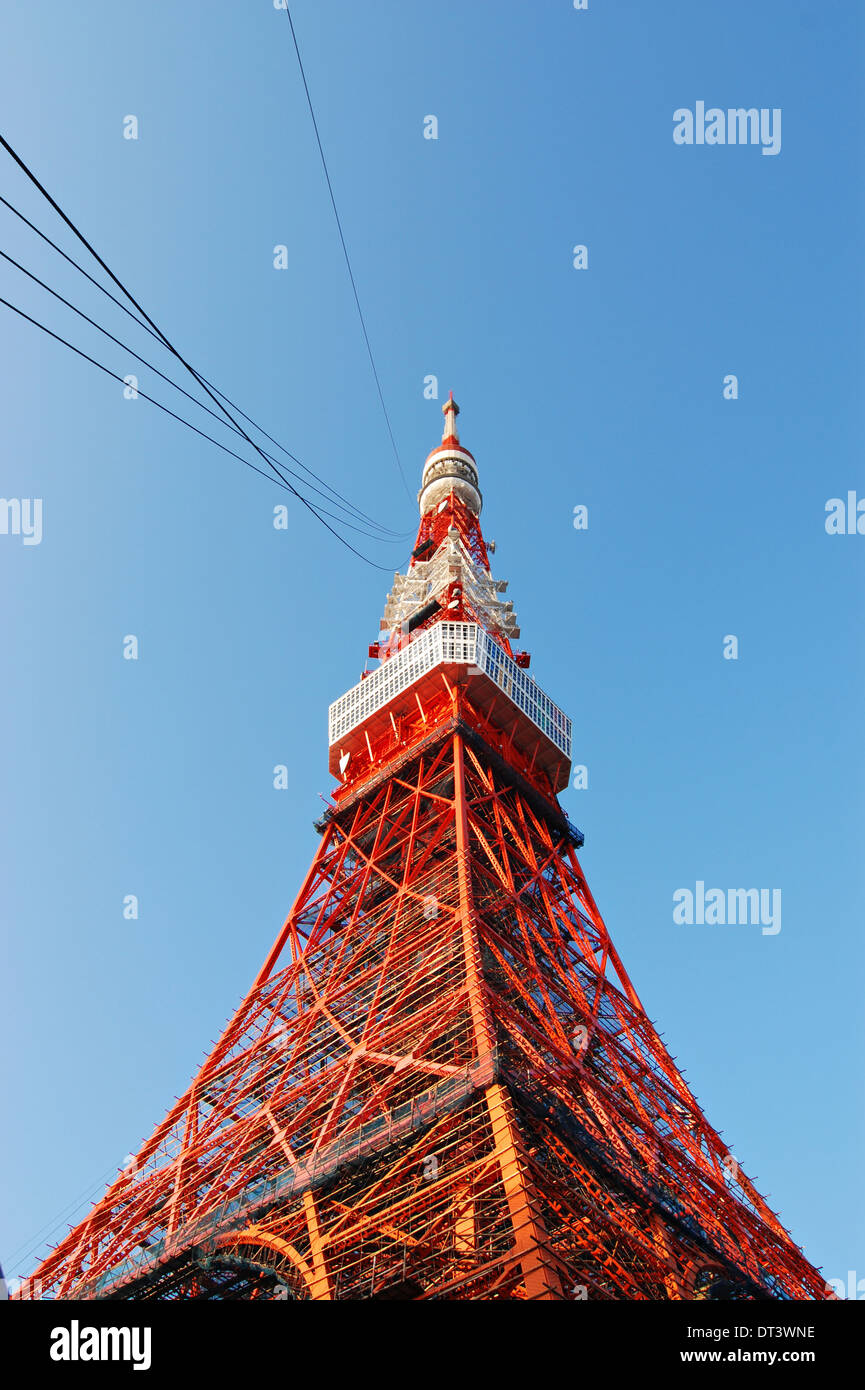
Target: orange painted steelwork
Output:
[(442, 1084)]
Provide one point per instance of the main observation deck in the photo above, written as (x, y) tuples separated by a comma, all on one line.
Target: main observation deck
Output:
[(466, 656)]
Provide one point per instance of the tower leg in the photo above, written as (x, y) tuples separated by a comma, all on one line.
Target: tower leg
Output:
[(320, 1287), (671, 1280), (540, 1275)]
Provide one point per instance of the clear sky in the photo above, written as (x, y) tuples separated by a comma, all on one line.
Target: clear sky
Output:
[(602, 386)]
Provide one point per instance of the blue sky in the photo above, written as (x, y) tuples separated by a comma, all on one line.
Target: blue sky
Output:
[(601, 387)]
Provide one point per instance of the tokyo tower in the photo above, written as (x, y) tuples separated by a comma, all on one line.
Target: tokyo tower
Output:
[(442, 1084)]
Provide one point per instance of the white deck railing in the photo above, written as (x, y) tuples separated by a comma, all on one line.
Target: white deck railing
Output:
[(462, 643)]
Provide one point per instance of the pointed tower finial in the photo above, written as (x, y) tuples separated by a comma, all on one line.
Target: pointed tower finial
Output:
[(450, 468), (450, 410)]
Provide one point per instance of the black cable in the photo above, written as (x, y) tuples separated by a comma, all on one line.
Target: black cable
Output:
[(29, 1248), (345, 252), (401, 535), (81, 237), (80, 353), (183, 392)]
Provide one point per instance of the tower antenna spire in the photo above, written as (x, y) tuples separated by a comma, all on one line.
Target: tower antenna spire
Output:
[(450, 410)]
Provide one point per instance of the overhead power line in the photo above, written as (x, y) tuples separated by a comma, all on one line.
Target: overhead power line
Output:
[(27, 1250), (345, 253), (201, 405), (79, 352), (156, 336), (119, 283)]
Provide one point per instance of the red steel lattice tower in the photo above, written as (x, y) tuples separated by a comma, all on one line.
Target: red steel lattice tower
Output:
[(442, 1084)]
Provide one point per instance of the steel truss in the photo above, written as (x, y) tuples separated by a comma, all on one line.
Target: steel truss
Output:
[(442, 1085)]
